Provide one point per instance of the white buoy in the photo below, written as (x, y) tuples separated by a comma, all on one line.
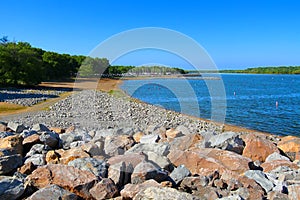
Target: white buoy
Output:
[(234, 93), (276, 104)]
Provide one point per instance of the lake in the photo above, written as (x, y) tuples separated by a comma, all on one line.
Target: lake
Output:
[(268, 103)]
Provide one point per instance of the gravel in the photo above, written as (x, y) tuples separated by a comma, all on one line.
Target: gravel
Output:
[(95, 110), (28, 97)]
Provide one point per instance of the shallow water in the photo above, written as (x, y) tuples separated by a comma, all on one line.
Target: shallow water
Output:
[(249, 100)]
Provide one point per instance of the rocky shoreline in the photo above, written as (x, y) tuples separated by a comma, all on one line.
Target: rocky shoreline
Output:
[(93, 145)]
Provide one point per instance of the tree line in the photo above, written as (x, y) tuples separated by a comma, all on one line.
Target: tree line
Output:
[(23, 64), (267, 70)]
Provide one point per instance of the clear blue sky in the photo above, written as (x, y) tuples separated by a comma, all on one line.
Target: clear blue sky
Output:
[(236, 33)]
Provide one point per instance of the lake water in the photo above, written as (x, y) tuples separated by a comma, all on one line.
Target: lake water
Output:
[(248, 100)]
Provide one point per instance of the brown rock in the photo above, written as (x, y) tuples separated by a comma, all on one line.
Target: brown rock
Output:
[(258, 147), (290, 145), (137, 136), (67, 177), (92, 149), (27, 168), (269, 166), (58, 130), (31, 140), (52, 157), (185, 142), (13, 142), (130, 190), (133, 158), (294, 192), (207, 161), (117, 145), (3, 127), (65, 156), (70, 129), (173, 133), (274, 195), (105, 189)]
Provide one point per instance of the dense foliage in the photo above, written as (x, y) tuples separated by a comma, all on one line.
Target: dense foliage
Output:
[(267, 70), (155, 70)]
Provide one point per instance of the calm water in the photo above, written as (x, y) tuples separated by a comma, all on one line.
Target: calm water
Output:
[(250, 100)]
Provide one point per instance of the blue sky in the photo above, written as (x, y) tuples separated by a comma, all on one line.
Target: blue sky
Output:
[(236, 34)]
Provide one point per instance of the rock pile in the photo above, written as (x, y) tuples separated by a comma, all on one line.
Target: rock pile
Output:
[(36, 162)]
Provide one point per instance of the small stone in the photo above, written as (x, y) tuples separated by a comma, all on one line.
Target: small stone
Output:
[(179, 173), (184, 130), (105, 189), (173, 133), (130, 190), (192, 183), (96, 166), (137, 136), (11, 188), (57, 130)]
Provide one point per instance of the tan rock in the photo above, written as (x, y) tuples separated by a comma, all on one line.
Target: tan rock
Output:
[(58, 130), (92, 149), (186, 142), (65, 156), (117, 145), (133, 158), (173, 133), (206, 161), (290, 145), (258, 147), (70, 129), (105, 189), (13, 142), (137, 136), (31, 140), (3, 127), (269, 166), (67, 177), (294, 192), (27, 168), (130, 190)]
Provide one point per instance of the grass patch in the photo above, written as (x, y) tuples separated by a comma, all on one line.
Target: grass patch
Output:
[(9, 107)]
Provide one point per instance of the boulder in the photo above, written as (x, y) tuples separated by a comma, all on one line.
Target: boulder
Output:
[(16, 127), (184, 130), (207, 161), (294, 192), (38, 149), (57, 130), (67, 177), (179, 173), (227, 141), (130, 158), (193, 183), (36, 159), (258, 147), (6, 134), (31, 140), (163, 193), (120, 173), (273, 164), (49, 138), (137, 136), (27, 168), (290, 145), (162, 161), (149, 139), (158, 148), (96, 166), (3, 127), (10, 163), (11, 188), (65, 156), (274, 195), (130, 190), (260, 178), (105, 189), (145, 171), (117, 145), (53, 191), (66, 139), (186, 142), (40, 128), (13, 143), (276, 156), (173, 133), (92, 149)]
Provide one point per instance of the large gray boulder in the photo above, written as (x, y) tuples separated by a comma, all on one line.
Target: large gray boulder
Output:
[(179, 173), (11, 188), (10, 163), (162, 149), (16, 127), (53, 192), (36, 159), (260, 178), (40, 128), (50, 138), (96, 166)]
